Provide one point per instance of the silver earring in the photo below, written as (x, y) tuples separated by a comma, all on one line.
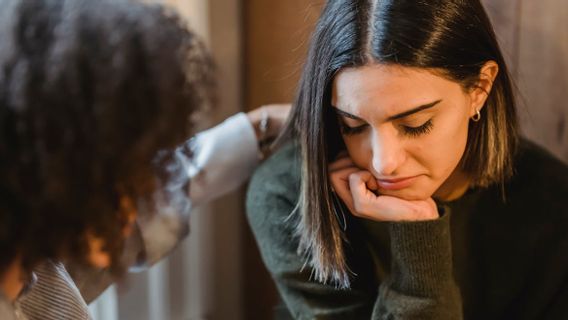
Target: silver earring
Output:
[(477, 116)]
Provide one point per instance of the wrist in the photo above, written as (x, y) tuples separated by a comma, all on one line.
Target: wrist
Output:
[(255, 117), (260, 121), (426, 210)]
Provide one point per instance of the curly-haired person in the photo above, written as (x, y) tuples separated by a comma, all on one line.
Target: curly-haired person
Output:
[(93, 94)]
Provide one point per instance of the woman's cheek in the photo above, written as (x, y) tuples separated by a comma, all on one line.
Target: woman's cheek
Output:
[(359, 151)]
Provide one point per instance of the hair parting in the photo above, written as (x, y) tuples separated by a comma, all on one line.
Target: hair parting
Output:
[(452, 37)]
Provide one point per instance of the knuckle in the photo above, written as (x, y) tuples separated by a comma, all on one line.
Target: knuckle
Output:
[(356, 213), (354, 177), (359, 207)]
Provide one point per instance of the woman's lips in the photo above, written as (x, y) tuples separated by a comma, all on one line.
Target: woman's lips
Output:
[(396, 184)]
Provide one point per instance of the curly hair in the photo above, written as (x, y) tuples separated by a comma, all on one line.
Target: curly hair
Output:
[(90, 93)]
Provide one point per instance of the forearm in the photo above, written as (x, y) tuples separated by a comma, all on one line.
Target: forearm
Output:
[(421, 284)]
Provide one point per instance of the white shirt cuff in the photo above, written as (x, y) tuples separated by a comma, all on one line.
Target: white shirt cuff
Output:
[(224, 157)]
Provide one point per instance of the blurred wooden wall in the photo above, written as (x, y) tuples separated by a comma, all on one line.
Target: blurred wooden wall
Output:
[(533, 35), (276, 33)]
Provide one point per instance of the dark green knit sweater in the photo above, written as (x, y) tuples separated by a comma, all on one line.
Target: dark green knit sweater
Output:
[(485, 258)]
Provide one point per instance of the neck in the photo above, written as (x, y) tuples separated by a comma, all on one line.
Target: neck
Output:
[(11, 282), (454, 187)]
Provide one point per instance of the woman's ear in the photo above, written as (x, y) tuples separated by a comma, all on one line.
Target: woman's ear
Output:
[(480, 92)]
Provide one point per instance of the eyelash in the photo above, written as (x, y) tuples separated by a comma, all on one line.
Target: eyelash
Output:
[(347, 130), (409, 131), (418, 131)]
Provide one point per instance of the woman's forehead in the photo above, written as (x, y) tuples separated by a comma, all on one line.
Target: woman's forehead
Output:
[(391, 88)]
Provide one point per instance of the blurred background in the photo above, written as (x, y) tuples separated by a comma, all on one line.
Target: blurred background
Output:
[(259, 47)]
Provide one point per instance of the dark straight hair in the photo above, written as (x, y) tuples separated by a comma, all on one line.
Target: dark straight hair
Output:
[(453, 38)]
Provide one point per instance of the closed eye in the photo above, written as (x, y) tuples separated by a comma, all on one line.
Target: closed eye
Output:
[(418, 131), (407, 130), (348, 130)]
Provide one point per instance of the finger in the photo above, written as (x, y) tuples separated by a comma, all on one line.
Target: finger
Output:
[(340, 186), (345, 195), (343, 174), (380, 208), (389, 208), (372, 184), (363, 177), (361, 195)]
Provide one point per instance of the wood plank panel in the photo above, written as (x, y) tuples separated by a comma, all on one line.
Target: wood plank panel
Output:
[(543, 73), (276, 34), (534, 38), (504, 15)]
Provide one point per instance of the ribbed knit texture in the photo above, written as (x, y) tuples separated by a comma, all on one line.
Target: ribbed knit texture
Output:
[(485, 258), (421, 255)]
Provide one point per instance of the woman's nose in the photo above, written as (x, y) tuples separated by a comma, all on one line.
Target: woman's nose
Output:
[(387, 153)]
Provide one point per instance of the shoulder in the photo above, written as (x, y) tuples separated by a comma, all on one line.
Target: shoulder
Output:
[(277, 176), (275, 187), (541, 168), (270, 207), (540, 181)]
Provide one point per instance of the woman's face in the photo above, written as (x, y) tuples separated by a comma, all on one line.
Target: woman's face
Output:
[(407, 126)]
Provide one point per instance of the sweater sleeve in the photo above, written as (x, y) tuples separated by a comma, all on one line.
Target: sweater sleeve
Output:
[(420, 285), (271, 199)]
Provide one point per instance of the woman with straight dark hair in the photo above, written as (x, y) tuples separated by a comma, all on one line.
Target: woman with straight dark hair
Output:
[(405, 191)]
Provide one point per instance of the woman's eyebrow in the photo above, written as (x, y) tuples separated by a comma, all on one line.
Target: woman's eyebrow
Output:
[(346, 114), (413, 111), (395, 117)]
